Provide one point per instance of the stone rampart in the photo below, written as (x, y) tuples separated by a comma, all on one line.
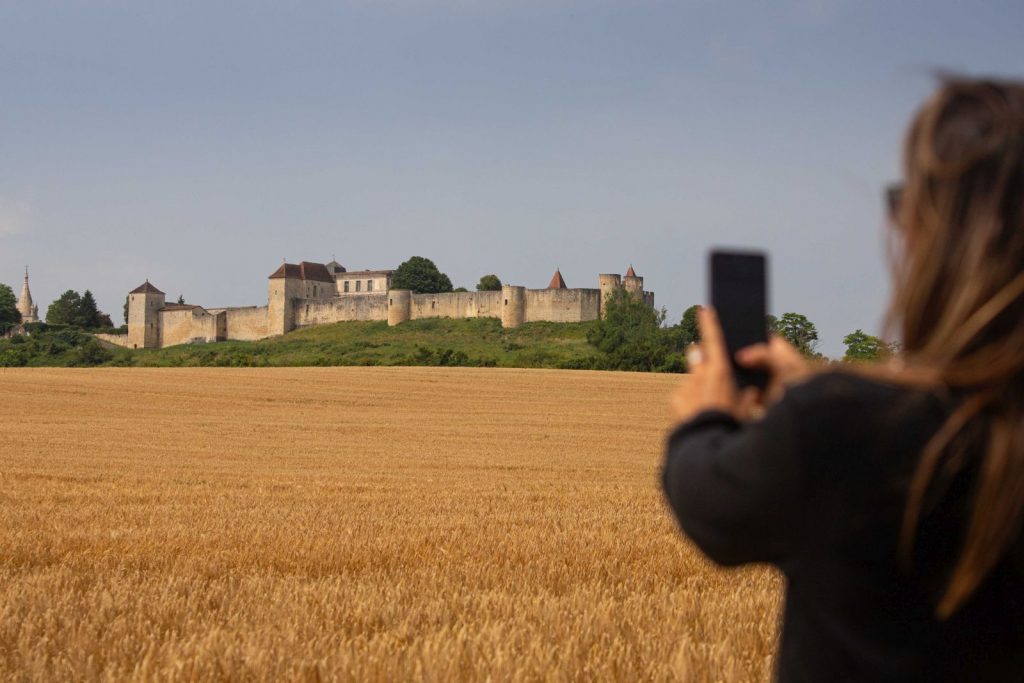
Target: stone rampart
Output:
[(115, 339), (175, 327), (245, 324), (456, 305), (341, 309), (562, 305)]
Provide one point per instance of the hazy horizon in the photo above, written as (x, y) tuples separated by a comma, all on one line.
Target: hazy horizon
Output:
[(197, 144)]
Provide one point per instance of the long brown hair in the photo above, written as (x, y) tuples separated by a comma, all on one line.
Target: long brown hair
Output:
[(958, 306)]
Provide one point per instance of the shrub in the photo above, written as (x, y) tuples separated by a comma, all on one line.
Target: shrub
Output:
[(631, 335)]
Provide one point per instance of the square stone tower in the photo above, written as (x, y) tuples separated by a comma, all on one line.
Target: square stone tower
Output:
[(144, 304), (293, 282)]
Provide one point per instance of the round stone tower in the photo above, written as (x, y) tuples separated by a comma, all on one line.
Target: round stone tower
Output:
[(513, 305), (608, 283), (399, 306)]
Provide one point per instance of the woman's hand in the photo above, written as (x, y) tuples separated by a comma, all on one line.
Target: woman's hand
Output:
[(710, 384), (782, 361)]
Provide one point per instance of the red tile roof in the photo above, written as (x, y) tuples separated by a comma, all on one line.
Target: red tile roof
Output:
[(630, 272), (556, 281), (145, 288), (316, 272), (356, 274)]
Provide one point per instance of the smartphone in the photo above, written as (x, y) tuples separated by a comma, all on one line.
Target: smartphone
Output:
[(739, 293)]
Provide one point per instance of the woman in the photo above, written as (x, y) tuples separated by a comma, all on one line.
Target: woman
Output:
[(892, 499)]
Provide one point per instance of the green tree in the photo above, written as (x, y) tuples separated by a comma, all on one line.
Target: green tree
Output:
[(460, 289), (89, 313), (126, 310), (78, 310), (65, 310), (181, 298), (632, 337), (421, 276), (798, 331), (689, 330), (9, 312), (861, 346), (489, 283)]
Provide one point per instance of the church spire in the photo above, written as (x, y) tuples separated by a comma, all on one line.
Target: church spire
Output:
[(29, 311)]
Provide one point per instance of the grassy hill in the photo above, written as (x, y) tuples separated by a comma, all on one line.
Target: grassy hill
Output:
[(474, 342)]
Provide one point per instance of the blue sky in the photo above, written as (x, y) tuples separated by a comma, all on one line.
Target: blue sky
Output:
[(200, 143)]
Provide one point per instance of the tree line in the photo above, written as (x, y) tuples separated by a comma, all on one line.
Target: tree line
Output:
[(634, 336), (71, 308)]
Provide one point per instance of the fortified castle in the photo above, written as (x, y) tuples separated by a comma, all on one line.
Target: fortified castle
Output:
[(307, 294)]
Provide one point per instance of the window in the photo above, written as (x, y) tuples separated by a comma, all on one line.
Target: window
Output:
[(359, 284), (346, 286), (391, 302), (506, 302), (369, 285)]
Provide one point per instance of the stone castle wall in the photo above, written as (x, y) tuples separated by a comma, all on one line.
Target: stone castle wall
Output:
[(246, 324), (562, 305), (186, 326), (553, 305), (456, 305), (175, 327), (294, 303), (347, 308), (115, 339)]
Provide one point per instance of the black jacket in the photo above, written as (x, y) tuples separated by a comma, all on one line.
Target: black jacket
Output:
[(818, 488)]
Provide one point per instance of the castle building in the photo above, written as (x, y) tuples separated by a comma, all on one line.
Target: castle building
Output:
[(306, 294), (29, 311), (359, 282), (364, 281)]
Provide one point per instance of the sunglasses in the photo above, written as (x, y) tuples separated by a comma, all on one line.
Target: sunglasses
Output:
[(893, 198)]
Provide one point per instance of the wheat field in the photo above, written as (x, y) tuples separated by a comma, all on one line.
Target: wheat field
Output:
[(369, 524)]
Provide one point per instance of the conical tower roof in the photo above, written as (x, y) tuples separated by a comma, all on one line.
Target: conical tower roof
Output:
[(556, 281), (630, 272), (28, 310)]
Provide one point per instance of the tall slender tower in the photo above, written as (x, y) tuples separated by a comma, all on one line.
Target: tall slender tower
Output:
[(29, 311)]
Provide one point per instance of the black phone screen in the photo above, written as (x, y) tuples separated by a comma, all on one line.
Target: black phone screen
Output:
[(739, 293)]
